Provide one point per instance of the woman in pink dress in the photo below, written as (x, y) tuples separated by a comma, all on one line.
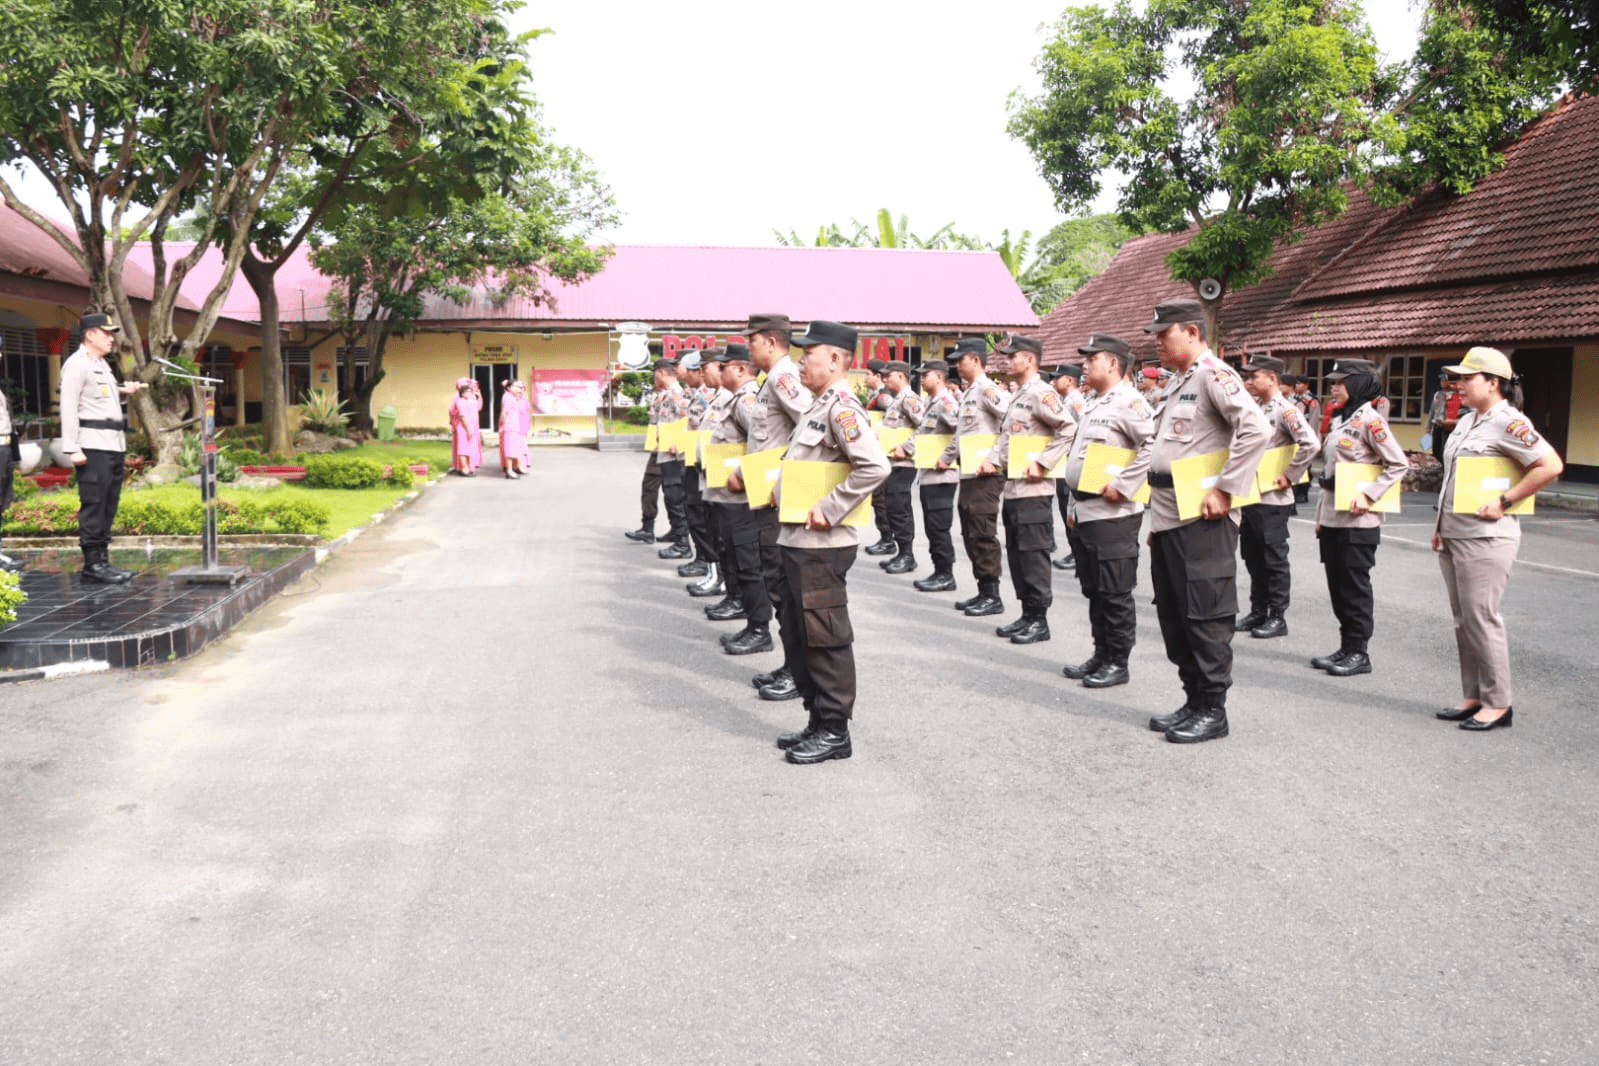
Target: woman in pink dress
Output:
[(466, 439), (516, 420)]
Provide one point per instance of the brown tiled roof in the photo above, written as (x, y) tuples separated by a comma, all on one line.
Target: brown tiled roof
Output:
[(1517, 260)]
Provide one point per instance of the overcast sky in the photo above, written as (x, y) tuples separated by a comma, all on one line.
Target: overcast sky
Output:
[(717, 121)]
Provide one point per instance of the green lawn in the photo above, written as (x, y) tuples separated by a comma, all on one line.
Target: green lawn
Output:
[(616, 425), (349, 507)]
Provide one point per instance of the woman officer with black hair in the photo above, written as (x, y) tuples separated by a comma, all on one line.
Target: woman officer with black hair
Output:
[(1476, 549)]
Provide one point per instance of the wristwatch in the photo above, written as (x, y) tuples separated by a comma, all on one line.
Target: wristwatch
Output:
[(1504, 502)]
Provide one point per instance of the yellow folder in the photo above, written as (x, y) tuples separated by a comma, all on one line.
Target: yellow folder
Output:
[(893, 438), (807, 483), (652, 438), (974, 449), (1023, 448), (874, 417), (721, 460), (1196, 475), (759, 471), (1273, 465), (930, 449), (1481, 478), (1102, 464), (673, 434), (1350, 478)]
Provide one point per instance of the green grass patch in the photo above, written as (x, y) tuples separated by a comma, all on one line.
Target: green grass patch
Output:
[(348, 508), (616, 425)]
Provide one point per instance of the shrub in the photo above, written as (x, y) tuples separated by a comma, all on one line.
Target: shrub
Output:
[(299, 516), (342, 472), (192, 453), (637, 416), (248, 457), (21, 487), (155, 518), (11, 596), (43, 515), (402, 475), (324, 413)]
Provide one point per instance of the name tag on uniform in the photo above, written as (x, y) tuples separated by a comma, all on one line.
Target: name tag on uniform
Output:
[(105, 390)]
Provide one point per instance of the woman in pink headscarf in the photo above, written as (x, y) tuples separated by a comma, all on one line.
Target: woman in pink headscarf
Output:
[(466, 439), (516, 421)]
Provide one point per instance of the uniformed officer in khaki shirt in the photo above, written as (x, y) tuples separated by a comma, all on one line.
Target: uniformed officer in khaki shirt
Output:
[(1067, 379), (817, 635), (982, 412), (940, 416), (92, 426), (904, 411), (1194, 561), (747, 597)]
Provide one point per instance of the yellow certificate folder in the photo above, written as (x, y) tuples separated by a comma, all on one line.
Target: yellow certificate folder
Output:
[(652, 438), (721, 460), (1479, 479), (1273, 465), (893, 438), (1350, 478), (1196, 475), (930, 448), (874, 417), (759, 471), (807, 483), (1023, 449), (974, 449), (673, 434), (1102, 464)]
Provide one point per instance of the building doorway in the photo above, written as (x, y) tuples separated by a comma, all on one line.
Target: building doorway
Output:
[(1546, 381), (490, 378)]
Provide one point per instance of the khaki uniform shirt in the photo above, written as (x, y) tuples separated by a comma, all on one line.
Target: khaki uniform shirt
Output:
[(1287, 425), (778, 406), (836, 430), (89, 390), (940, 415), (982, 411), (670, 406), (1119, 418), (729, 421), (1502, 431), (1364, 438), (1203, 409), (904, 410), (1035, 408)]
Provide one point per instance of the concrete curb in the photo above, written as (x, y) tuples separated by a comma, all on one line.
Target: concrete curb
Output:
[(46, 673), (338, 545)]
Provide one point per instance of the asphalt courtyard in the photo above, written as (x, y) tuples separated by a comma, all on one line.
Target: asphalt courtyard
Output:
[(483, 789)]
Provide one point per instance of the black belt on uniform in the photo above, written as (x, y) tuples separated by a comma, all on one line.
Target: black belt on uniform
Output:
[(1327, 483), (102, 423), (1081, 496), (1161, 481)]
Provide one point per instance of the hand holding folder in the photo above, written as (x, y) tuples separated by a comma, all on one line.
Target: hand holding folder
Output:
[(1482, 479), (1024, 450), (807, 483), (893, 438), (930, 449), (1104, 463), (1350, 478), (1195, 476), (721, 460), (974, 449), (759, 471)]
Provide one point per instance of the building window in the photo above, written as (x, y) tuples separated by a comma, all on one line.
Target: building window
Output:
[(1316, 370), (1406, 383), (25, 374)]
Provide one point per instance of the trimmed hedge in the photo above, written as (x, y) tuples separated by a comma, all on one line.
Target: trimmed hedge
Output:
[(46, 515), (342, 472)]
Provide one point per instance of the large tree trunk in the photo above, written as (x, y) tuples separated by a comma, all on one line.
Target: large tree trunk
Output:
[(273, 402), (158, 420)]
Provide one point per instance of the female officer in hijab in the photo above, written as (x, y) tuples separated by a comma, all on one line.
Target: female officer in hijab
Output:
[(1349, 538)]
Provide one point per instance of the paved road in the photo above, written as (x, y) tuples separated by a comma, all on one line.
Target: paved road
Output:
[(481, 790)]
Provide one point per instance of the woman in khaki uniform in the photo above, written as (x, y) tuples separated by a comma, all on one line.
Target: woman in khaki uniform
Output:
[(1476, 551)]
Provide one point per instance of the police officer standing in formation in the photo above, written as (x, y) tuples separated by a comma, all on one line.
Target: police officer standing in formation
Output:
[(982, 412), (878, 398), (779, 403), (1067, 379), (904, 411), (1103, 534), (1035, 409), (1263, 536), (746, 596), (816, 556), (673, 407), (940, 415), (691, 365), (92, 428), (654, 484), (1194, 561)]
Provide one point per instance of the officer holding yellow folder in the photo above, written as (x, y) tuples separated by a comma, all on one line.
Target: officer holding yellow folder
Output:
[(1494, 460), (940, 417), (982, 410)]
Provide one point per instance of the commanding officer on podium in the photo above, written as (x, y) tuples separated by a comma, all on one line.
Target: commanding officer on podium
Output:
[(1194, 561), (91, 432)]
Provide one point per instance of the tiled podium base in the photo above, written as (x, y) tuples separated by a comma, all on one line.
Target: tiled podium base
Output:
[(154, 618)]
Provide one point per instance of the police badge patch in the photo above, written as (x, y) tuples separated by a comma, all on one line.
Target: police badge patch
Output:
[(1379, 430), (1522, 430), (848, 425)]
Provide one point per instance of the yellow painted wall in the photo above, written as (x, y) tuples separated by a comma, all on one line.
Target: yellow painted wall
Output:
[(1583, 437)]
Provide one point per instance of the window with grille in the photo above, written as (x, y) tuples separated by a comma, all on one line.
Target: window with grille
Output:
[(1406, 385), (26, 374)]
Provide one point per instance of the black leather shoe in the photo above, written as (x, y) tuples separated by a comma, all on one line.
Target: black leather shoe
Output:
[(700, 589), (1472, 725), (788, 740), (882, 547), (1249, 621), (1036, 631), (1199, 727), (1012, 627), (770, 677), (936, 583), (901, 564), (642, 535), (819, 747), (670, 536), (728, 610), (106, 574), (1162, 722), (697, 568), (1356, 662), (985, 605), (1327, 662), (1274, 626), (1082, 670), (752, 640), (968, 604), (1066, 562), (1455, 714), (1108, 676), (781, 689), (680, 550)]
